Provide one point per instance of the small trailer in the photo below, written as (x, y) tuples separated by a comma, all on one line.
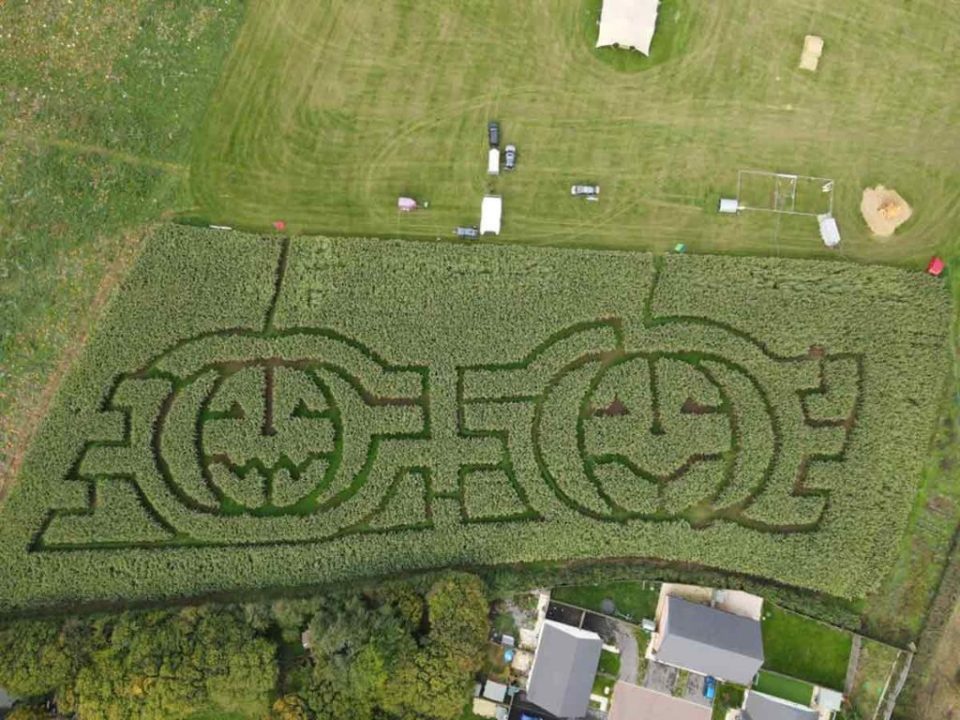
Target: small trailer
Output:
[(467, 233), (729, 206), (829, 230), (493, 162), (491, 213)]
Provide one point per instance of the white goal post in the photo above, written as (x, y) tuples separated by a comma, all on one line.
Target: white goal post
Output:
[(784, 193)]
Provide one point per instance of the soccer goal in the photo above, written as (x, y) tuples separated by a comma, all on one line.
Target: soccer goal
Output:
[(784, 193)]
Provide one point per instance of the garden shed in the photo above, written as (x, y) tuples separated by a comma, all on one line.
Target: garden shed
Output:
[(628, 23)]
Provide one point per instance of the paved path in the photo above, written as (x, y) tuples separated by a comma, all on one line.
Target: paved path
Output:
[(629, 652), (852, 665)]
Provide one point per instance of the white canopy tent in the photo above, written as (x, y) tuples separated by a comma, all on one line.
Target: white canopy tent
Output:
[(628, 23), (490, 213)]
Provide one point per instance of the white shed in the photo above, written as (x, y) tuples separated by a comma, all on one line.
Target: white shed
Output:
[(493, 162), (827, 700), (729, 206), (491, 212), (829, 230)]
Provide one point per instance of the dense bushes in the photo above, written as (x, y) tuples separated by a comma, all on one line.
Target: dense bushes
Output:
[(373, 407), (392, 652)]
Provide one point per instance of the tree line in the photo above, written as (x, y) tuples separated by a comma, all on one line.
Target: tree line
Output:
[(397, 652)]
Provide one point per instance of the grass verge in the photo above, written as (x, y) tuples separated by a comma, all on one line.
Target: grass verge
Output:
[(632, 600), (784, 687)]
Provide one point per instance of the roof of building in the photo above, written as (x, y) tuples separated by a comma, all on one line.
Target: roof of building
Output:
[(709, 641), (826, 699), (564, 669), (636, 703), (766, 707), (495, 691), (628, 23)]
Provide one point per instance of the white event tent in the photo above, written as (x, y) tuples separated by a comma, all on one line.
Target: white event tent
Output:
[(628, 23)]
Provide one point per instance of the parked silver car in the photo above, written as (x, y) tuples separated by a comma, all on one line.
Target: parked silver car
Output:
[(585, 190), (511, 157)]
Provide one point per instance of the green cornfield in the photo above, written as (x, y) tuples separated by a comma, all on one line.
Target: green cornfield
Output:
[(258, 412)]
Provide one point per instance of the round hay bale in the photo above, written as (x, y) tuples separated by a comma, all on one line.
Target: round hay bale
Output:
[(884, 210)]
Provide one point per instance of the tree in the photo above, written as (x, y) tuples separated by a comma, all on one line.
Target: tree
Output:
[(33, 660), (357, 649), (407, 603), (289, 707), (162, 665), (436, 684)]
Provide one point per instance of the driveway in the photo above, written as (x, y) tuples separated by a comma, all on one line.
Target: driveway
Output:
[(661, 678), (629, 652)]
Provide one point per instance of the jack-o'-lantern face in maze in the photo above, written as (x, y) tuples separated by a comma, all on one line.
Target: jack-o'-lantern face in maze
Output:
[(268, 434)]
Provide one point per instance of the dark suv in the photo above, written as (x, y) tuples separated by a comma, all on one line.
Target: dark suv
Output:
[(493, 134)]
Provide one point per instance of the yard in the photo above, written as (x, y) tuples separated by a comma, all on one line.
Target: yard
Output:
[(784, 687), (609, 663), (873, 673), (805, 649), (728, 697), (632, 601)]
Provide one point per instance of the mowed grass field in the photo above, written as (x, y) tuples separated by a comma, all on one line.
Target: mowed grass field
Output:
[(327, 112)]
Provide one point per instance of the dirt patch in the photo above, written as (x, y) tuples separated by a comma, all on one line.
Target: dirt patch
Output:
[(616, 408), (884, 210), (29, 416), (692, 407)]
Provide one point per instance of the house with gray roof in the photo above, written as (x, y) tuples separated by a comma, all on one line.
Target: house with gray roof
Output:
[(758, 706), (708, 641), (564, 669)]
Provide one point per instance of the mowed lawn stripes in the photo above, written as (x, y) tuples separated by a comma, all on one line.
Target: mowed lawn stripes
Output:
[(327, 113)]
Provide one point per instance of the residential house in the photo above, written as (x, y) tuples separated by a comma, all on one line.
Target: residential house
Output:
[(758, 706), (631, 702), (564, 669), (708, 641)]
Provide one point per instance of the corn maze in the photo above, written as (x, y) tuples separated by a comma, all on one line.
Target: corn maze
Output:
[(258, 412)]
